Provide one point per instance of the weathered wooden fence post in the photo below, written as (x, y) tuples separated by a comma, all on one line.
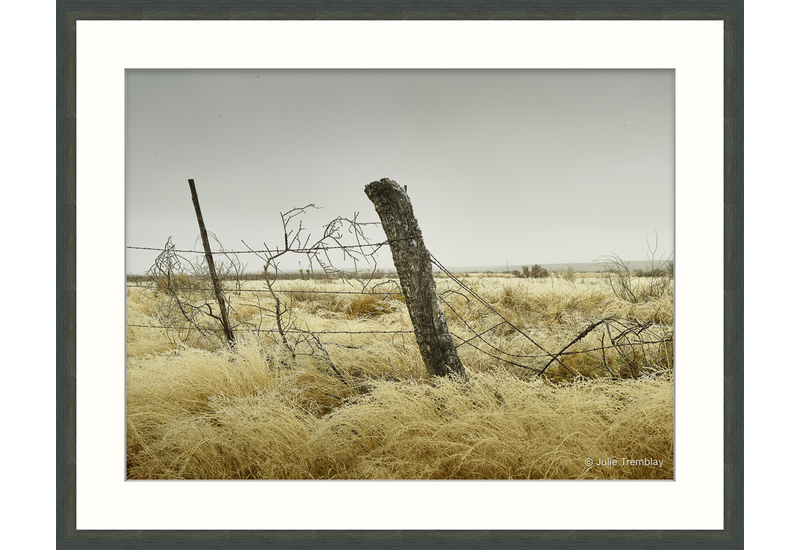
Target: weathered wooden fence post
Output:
[(412, 261), (223, 311)]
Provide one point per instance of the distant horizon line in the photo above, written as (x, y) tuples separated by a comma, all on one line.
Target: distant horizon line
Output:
[(594, 266)]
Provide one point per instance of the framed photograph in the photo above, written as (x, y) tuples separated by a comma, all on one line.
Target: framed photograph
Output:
[(123, 66)]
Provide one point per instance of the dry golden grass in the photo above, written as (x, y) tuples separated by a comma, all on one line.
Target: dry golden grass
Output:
[(198, 410)]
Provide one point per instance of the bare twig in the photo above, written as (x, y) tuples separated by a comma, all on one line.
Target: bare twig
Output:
[(296, 240)]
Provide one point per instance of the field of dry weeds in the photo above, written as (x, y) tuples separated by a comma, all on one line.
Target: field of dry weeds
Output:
[(343, 393)]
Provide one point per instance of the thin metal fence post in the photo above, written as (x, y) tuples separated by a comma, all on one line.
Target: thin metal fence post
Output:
[(210, 261)]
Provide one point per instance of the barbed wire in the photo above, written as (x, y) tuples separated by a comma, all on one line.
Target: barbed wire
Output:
[(275, 331), (269, 251), (266, 291), (496, 353)]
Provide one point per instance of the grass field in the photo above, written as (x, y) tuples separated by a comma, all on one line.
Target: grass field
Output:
[(343, 394)]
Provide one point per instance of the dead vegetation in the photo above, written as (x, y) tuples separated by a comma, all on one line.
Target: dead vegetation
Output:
[(355, 402)]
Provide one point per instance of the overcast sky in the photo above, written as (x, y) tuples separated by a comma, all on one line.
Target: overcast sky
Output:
[(517, 166)]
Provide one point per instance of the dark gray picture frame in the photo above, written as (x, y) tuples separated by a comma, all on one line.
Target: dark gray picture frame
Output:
[(731, 12)]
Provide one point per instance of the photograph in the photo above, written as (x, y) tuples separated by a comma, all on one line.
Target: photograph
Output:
[(400, 274), (406, 279)]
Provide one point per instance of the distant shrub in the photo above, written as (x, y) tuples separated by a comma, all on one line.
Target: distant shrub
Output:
[(538, 272), (665, 270), (628, 285), (535, 272)]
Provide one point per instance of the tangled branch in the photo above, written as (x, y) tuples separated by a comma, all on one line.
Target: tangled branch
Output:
[(296, 240)]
